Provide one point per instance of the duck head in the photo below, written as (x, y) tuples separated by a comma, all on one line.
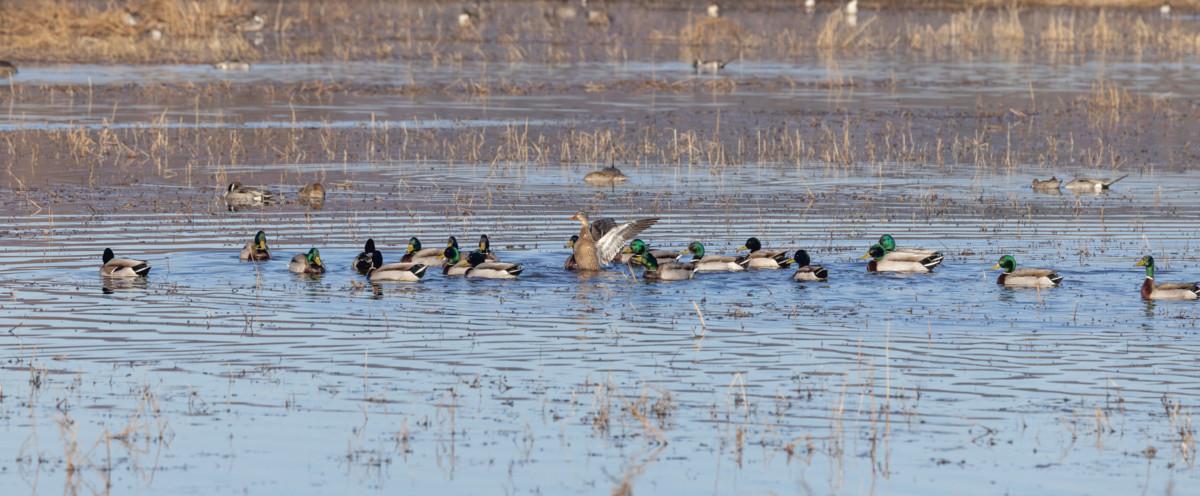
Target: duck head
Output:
[(314, 258), (1006, 263), (571, 242), (696, 248), (108, 255), (887, 242), (451, 255), (752, 244), (260, 241), (875, 252), (1147, 262), (414, 245), (801, 258), (646, 260), (485, 244), (637, 246)]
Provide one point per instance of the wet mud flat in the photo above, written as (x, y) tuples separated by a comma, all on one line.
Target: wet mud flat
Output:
[(556, 382)]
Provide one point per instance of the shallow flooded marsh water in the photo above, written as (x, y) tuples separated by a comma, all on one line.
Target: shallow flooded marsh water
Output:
[(214, 375)]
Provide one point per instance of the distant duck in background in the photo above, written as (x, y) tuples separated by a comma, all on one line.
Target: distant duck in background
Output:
[(232, 65), (7, 69), (467, 19), (598, 18), (131, 18), (238, 195), (605, 177), (1096, 185), (710, 66), (566, 11), (1047, 184), (251, 23), (312, 194)]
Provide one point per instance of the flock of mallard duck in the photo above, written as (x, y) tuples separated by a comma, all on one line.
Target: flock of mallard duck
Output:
[(601, 242)]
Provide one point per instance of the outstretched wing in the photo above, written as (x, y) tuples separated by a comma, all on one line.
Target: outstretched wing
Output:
[(610, 244), (600, 227)]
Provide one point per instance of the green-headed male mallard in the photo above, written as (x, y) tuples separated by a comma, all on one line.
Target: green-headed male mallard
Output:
[(1166, 290), (879, 263), (599, 241), (485, 247), (714, 263), (431, 257), (763, 259), (454, 264), (256, 249), (481, 268), (630, 251), (805, 271), (307, 263), (370, 258), (670, 271), (891, 253), (1024, 277), (122, 267)]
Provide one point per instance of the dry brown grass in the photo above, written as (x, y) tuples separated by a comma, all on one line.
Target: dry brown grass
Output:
[(80, 31)]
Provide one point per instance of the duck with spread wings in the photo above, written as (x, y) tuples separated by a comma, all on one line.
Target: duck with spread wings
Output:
[(601, 240)]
